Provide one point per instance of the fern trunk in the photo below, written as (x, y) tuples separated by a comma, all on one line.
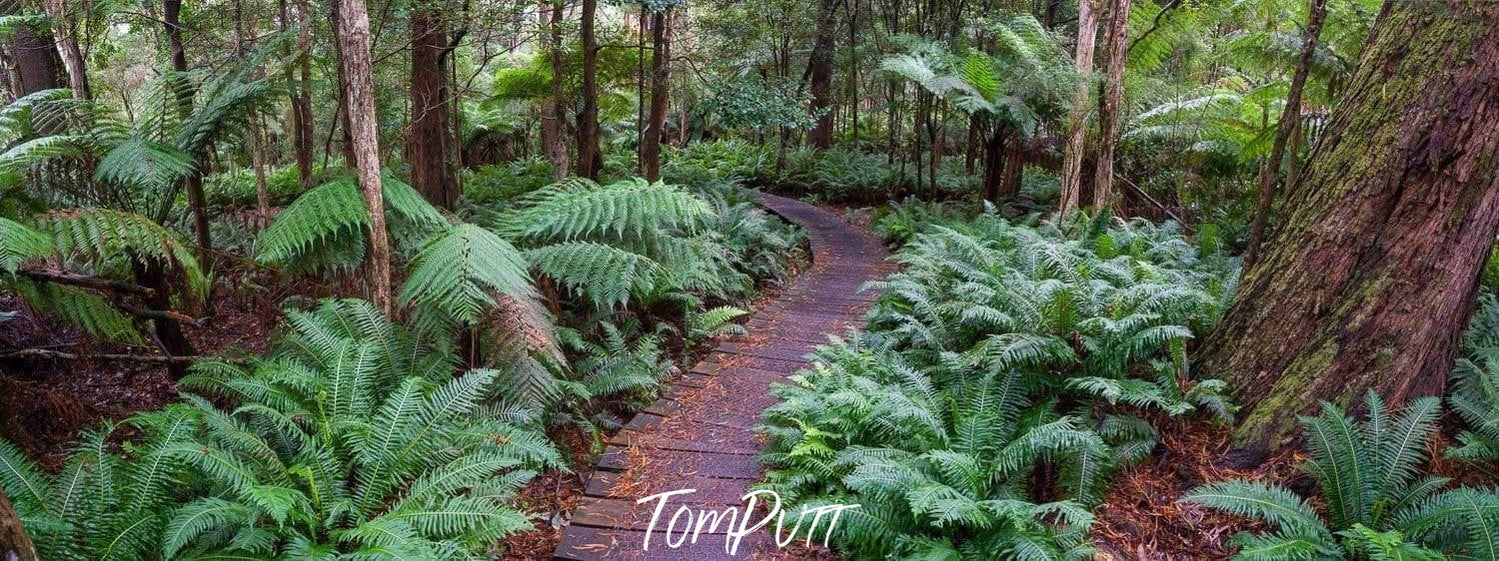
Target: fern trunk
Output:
[(427, 147), (359, 106), (1108, 105), (1269, 175), (14, 545), (1369, 283)]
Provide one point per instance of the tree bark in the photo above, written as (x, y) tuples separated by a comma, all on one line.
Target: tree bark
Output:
[(1108, 105), (14, 545), (193, 181), (554, 111), (359, 107), (994, 151), (1077, 125), (589, 159), (1269, 175), (427, 149), (67, 47), (37, 64), (301, 96), (650, 144), (1370, 281), (820, 66)]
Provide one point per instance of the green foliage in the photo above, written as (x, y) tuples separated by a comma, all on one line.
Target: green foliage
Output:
[(754, 103), (1475, 384), (459, 269), (107, 244), (325, 228), (937, 418), (623, 242), (350, 438), (937, 456), (1377, 498)]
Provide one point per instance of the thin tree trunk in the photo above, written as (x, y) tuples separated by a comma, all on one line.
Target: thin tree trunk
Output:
[(341, 120), (14, 545), (1108, 105), (256, 137), (427, 149), (650, 145), (1077, 125), (994, 150), (820, 66), (554, 110), (67, 47), (193, 181), (589, 159), (301, 95), (1371, 279), (1269, 175), (359, 106)]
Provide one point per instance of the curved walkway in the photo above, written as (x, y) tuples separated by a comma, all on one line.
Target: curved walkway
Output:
[(699, 434)]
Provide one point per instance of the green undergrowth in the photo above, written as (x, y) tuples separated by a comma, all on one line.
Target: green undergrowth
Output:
[(1000, 382)]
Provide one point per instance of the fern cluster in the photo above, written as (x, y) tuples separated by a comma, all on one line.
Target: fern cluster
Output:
[(1475, 385), (351, 437), (1379, 505), (998, 350), (109, 245)]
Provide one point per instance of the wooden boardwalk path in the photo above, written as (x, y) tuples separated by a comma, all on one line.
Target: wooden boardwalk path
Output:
[(699, 434)]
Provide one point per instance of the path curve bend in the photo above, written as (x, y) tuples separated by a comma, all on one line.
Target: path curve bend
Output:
[(699, 435)]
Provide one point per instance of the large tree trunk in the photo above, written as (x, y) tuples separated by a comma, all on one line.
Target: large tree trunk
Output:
[(193, 182), (67, 47), (37, 65), (1108, 105), (554, 110), (359, 107), (14, 545), (650, 143), (589, 159), (1269, 175), (820, 66), (1370, 281), (1077, 125), (427, 147)]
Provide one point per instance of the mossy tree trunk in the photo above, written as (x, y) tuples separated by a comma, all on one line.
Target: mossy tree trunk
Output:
[(820, 67), (14, 545), (1371, 279)]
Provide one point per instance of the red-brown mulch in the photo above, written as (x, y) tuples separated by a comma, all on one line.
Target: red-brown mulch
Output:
[(1140, 518)]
